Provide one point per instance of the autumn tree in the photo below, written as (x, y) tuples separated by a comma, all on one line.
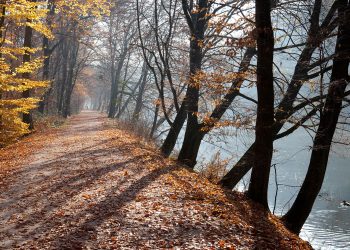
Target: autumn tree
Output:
[(301, 208), (16, 79), (48, 49), (160, 34), (120, 34), (70, 51), (209, 23), (289, 104)]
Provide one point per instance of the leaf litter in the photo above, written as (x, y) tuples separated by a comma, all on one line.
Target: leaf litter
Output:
[(90, 185)]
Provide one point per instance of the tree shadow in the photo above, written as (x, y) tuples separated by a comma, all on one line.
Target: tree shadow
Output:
[(264, 229), (267, 230), (46, 201), (42, 200), (85, 154), (104, 210), (41, 221)]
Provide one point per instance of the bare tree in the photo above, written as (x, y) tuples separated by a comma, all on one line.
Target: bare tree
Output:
[(286, 108), (301, 208)]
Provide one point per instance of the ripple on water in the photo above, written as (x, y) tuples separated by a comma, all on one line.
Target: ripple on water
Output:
[(325, 235)]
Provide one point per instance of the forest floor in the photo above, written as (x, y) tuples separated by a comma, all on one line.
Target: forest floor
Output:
[(89, 185)]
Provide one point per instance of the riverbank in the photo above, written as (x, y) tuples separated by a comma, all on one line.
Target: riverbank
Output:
[(88, 185)]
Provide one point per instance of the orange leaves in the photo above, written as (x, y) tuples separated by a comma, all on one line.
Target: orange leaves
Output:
[(15, 155), (165, 206), (60, 213), (86, 196), (209, 123), (222, 244), (173, 196), (140, 198), (219, 27), (195, 80), (217, 81), (157, 102)]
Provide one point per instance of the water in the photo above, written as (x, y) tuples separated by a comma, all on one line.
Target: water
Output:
[(328, 226)]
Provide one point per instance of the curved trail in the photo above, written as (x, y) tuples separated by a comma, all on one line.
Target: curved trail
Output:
[(96, 187)]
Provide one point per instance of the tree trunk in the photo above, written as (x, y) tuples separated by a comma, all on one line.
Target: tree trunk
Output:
[(154, 123), (2, 21), (242, 167), (198, 134), (170, 141), (199, 23), (265, 113), (285, 107), (188, 152), (114, 89), (301, 208), (28, 34), (139, 99), (63, 80), (47, 53), (100, 103), (116, 77), (68, 88), (70, 78), (190, 146), (68, 97)]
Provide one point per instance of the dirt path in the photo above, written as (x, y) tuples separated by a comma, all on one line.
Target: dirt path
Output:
[(97, 187)]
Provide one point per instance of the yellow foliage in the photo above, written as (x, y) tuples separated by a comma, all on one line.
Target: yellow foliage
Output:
[(19, 13), (16, 76), (94, 8), (11, 125)]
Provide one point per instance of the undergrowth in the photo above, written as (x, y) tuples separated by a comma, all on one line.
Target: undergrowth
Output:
[(215, 169)]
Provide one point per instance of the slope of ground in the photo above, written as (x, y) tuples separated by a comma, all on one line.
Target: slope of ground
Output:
[(89, 185)]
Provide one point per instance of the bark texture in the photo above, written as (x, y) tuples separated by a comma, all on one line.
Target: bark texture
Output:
[(28, 35), (301, 208), (265, 115)]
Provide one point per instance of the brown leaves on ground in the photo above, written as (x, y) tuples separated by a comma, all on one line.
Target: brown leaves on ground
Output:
[(96, 187), (14, 156)]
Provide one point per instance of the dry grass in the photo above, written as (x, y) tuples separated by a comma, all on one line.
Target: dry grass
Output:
[(215, 169), (138, 129), (43, 123)]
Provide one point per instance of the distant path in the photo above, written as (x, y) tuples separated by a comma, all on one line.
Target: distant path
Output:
[(96, 187)]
